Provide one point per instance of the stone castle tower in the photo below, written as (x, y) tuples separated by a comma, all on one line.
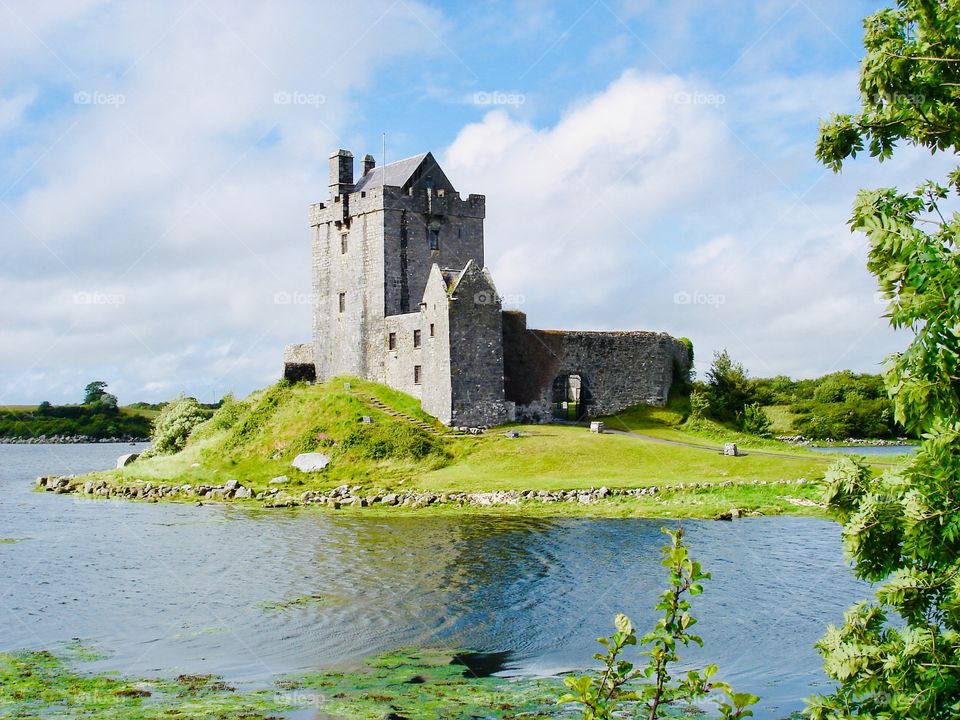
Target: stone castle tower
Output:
[(402, 298)]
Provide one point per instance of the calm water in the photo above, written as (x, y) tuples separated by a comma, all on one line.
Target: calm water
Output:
[(866, 450), (177, 588)]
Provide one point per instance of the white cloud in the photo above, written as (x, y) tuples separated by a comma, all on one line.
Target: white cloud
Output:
[(161, 167), (635, 211)]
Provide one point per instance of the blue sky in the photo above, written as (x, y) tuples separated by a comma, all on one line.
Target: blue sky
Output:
[(656, 156)]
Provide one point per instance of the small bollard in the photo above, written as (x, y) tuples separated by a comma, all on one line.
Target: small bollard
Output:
[(596, 426)]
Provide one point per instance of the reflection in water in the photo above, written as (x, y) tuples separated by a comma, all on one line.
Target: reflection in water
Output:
[(170, 588)]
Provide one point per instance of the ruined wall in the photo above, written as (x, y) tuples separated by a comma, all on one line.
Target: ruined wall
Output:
[(619, 369), (298, 363)]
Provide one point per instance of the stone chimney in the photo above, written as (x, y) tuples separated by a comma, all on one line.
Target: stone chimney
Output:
[(368, 164), (341, 172)]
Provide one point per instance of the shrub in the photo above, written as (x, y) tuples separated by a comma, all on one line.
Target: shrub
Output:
[(174, 424)]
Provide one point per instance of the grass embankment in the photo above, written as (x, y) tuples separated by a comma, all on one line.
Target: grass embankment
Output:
[(256, 439)]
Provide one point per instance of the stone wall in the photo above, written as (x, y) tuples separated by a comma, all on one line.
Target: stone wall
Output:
[(409, 218), (436, 392), (298, 363), (400, 361), (476, 351), (618, 369)]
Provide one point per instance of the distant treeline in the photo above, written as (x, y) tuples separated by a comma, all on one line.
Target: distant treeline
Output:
[(838, 405), (95, 421)]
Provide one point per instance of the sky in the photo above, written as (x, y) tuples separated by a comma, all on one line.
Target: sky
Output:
[(647, 165)]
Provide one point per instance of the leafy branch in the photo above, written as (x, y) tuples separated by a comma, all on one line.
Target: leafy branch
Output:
[(652, 686)]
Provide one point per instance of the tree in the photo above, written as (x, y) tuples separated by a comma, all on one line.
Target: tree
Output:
[(93, 391), (898, 656), (728, 387)]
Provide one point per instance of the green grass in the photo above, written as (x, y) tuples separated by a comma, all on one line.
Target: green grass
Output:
[(568, 457), (781, 419), (255, 440)]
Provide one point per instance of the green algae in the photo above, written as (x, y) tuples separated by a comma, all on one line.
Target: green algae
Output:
[(404, 685), (422, 684), (297, 602), (38, 685)]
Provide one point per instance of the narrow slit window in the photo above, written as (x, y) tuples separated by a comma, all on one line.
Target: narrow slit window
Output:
[(392, 341), (416, 338), (433, 330), (343, 301), (434, 239), (343, 244), (417, 375)]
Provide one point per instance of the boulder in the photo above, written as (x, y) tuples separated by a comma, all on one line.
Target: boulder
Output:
[(730, 449), (125, 460), (279, 480), (311, 462), (390, 499)]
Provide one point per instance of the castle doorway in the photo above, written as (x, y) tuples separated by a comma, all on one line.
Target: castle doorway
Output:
[(570, 397)]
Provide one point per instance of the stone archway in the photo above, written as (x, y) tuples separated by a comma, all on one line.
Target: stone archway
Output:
[(570, 396)]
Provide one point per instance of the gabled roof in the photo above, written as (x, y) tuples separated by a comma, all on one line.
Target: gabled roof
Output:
[(395, 174)]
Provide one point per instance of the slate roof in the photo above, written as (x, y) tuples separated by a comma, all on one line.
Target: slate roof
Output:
[(394, 174)]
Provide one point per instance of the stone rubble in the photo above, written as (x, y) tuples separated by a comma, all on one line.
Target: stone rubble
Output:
[(357, 496)]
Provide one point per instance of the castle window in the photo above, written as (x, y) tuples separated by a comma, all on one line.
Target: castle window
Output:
[(432, 330), (434, 239), (417, 375), (343, 244), (392, 341), (343, 301), (459, 233), (416, 338)]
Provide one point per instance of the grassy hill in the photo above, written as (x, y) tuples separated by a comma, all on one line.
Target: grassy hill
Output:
[(404, 450)]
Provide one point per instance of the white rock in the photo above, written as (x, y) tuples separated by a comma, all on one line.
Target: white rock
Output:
[(311, 462), (125, 460)]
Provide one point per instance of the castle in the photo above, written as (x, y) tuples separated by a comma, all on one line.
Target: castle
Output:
[(402, 297)]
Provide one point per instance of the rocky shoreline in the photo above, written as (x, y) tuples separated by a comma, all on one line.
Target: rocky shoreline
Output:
[(827, 442), (356, 496), (69, 440)]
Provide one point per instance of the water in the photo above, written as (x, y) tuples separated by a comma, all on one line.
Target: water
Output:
[(178, 588), (866, 450)]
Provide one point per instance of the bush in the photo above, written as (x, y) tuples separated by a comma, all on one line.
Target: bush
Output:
[(754, 420), (229, 412), (174, 424)]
